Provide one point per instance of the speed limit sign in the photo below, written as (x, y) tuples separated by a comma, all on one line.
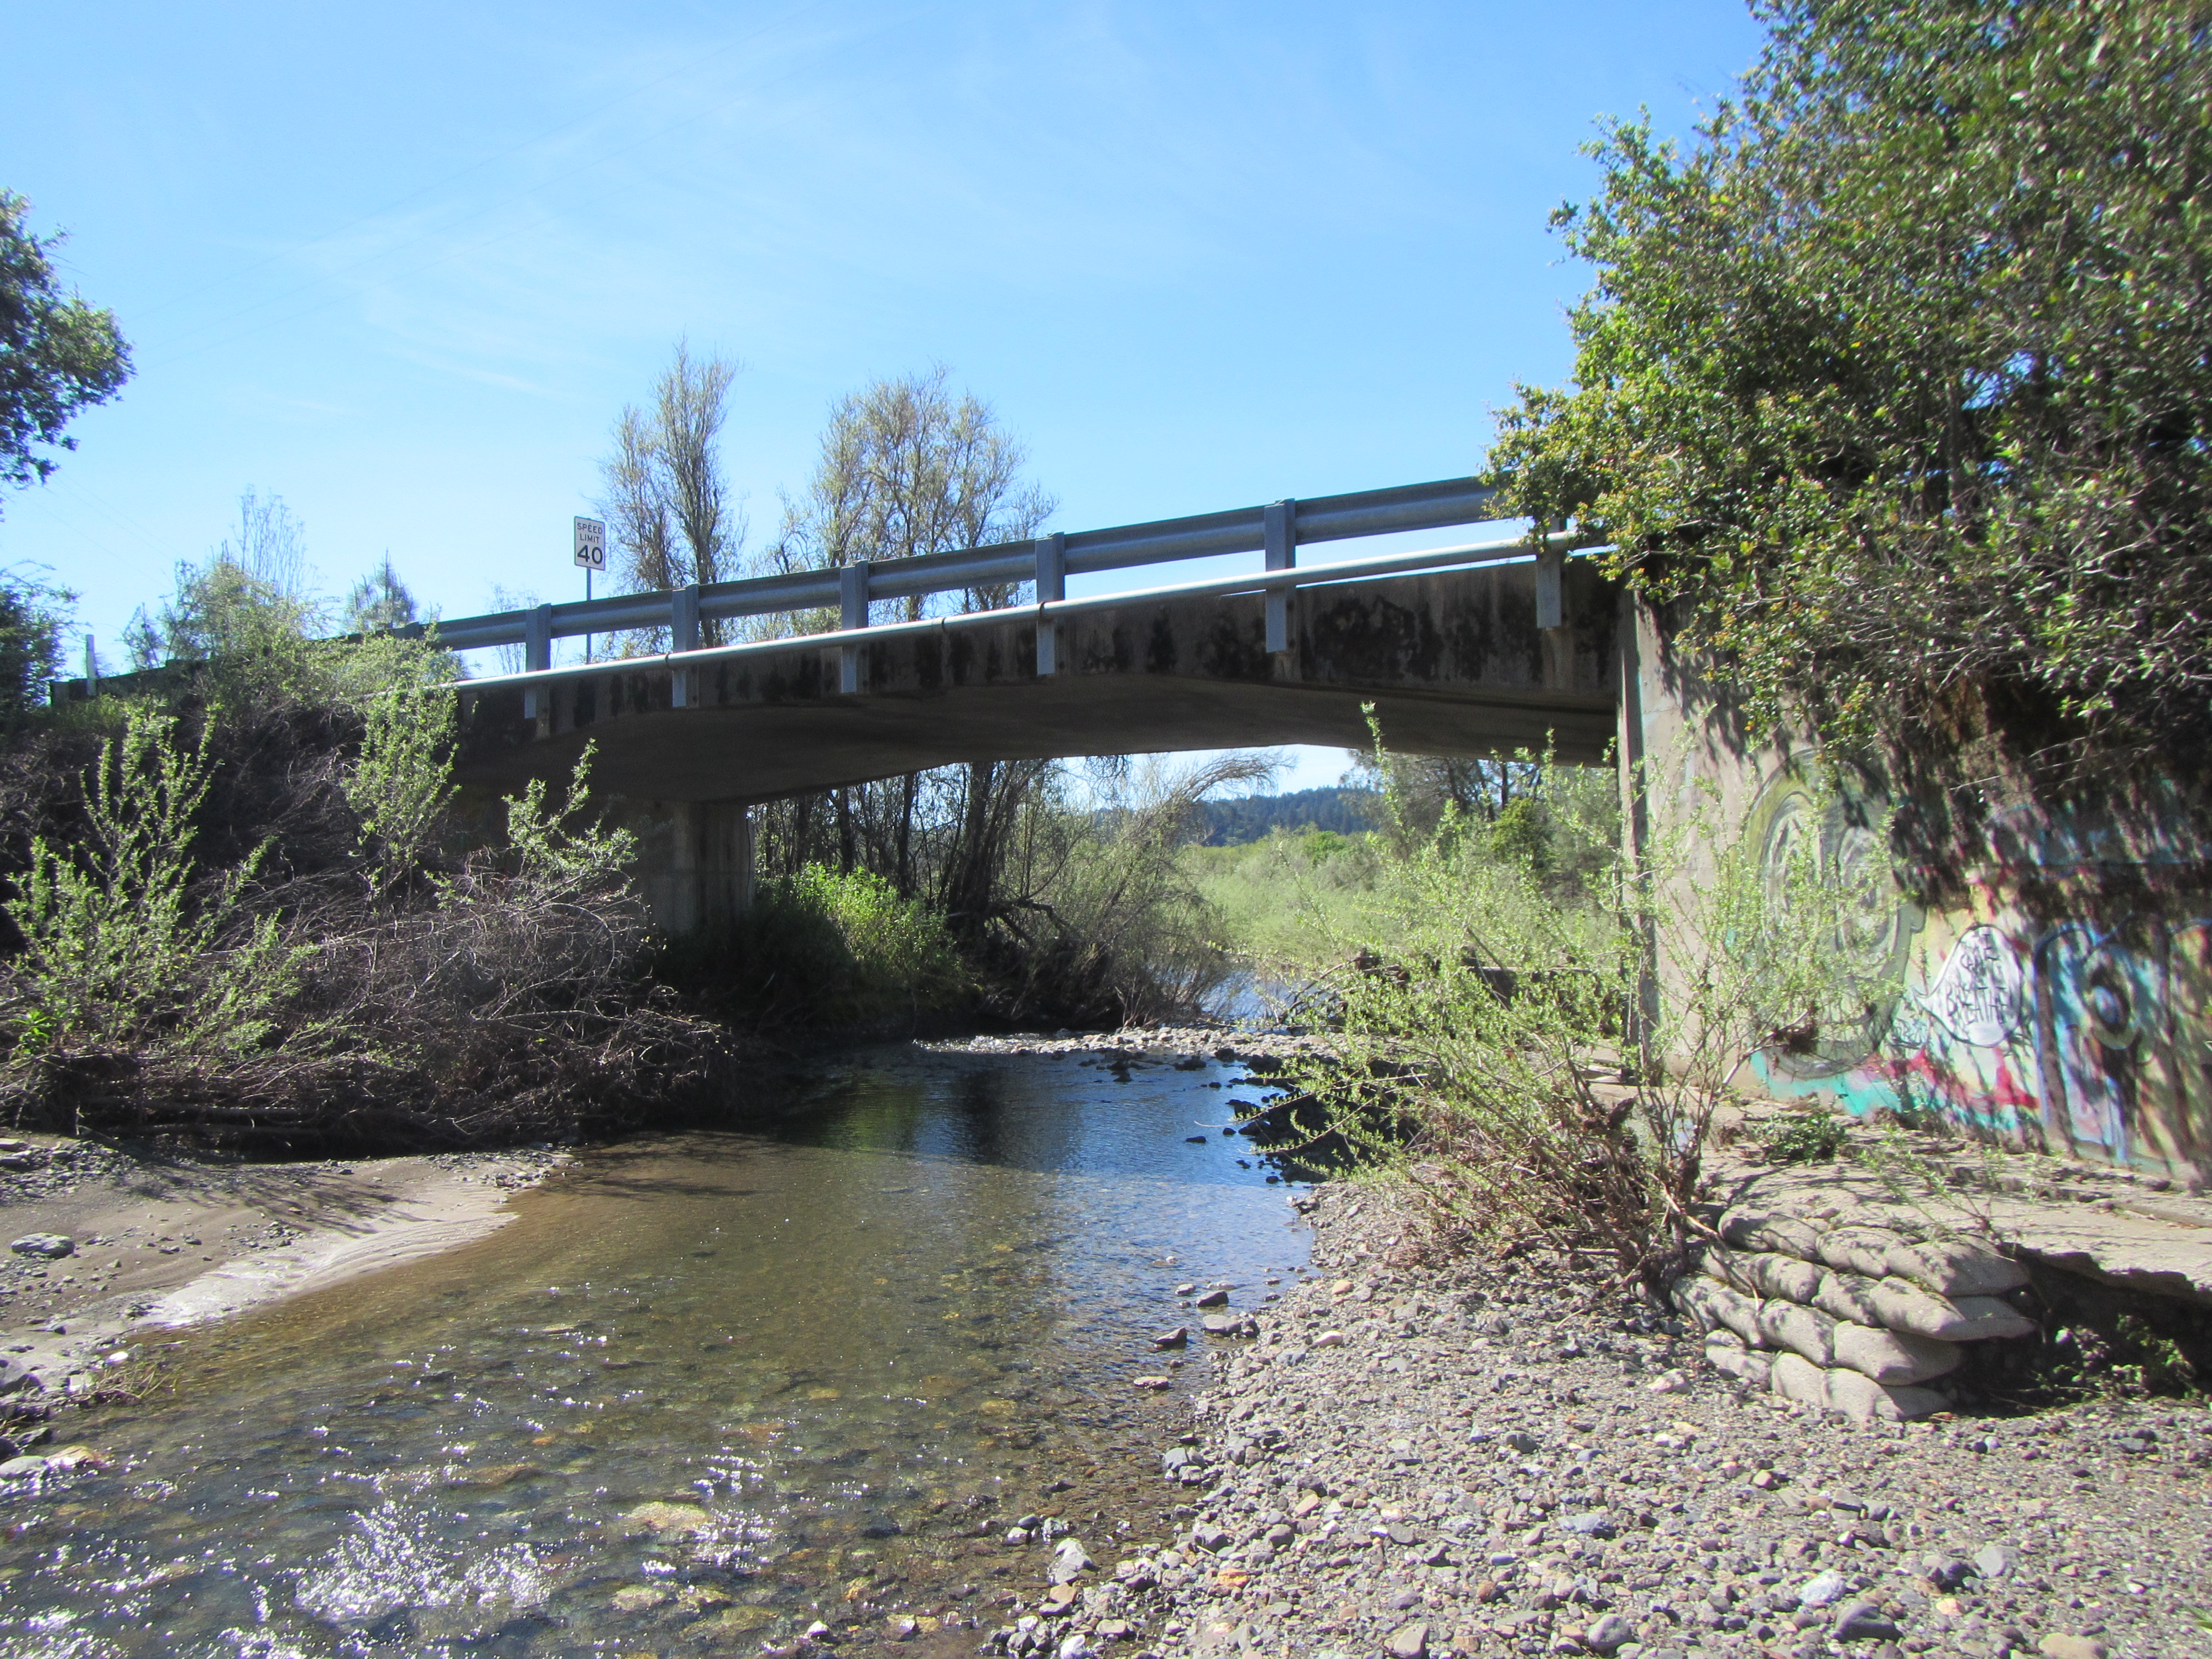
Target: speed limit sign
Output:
[(592, 544)]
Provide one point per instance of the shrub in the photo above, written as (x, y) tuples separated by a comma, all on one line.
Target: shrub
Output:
[(823, 948), (1547, 1071), (125, 941), (1804, 1138), (256, 939)]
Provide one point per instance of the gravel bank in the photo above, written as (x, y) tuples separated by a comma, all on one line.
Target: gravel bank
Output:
[(1415, 1460), (1189, 1046)]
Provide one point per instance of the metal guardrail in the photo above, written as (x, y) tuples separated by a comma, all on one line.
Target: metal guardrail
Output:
[(1276, 529)]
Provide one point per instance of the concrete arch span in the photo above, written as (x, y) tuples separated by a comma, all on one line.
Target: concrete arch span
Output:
[(1453, 660)]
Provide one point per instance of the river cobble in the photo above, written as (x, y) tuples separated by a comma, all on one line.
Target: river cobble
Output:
[(1421, 1460), (1186, 1047)]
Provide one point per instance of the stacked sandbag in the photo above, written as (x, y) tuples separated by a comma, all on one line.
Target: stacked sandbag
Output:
[(1847, 1316)]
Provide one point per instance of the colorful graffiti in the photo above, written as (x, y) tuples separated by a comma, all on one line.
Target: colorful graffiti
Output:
[(2089, 1036)]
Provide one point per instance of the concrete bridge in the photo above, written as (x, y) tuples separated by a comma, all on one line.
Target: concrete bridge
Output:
[(2057, 995), (1473, 650)]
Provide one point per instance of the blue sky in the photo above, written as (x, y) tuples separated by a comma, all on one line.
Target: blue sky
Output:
[(402, 264)]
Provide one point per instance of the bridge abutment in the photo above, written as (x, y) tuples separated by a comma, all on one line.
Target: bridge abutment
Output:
[(2053, 963)]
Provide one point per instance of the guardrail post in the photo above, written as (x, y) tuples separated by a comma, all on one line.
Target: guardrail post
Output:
[(683, 635), (1282, 547), (684, 618), (853, 603), (1051, 586), (537, 654), (1551, 598)]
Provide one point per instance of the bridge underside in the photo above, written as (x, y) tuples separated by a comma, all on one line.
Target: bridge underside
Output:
[(1453, 660)]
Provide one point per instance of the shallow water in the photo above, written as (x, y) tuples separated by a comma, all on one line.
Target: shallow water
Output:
[(706, 1388)]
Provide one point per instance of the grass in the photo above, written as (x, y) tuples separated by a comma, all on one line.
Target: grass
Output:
[(1284, 898)]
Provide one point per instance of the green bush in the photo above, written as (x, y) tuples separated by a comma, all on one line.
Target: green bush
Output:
[(825, 949), (125, 940), (1804, 1138)]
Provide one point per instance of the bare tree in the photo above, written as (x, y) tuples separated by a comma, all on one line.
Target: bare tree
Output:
[(667, 501), (510, 658), (271, 545), (690, 404), (636, 504), (906, 467)]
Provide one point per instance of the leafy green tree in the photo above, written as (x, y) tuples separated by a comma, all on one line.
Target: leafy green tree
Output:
[(33, 613), (379, 602), (1899, 379), (57, 353)]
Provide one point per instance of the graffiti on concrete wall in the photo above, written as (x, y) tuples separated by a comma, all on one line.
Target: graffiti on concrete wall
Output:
[(1980, 994), (2089, 1036)]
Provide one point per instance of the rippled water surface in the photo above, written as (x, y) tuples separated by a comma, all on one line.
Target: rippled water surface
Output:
[(704, 1389)]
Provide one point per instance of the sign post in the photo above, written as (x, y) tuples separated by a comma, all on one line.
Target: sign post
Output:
[(592, 554)]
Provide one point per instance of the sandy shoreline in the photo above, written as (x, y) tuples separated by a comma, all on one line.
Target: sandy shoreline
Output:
[(162, 1241)]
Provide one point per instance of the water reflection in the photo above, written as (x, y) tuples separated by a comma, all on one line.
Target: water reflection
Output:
[(706, 1387)]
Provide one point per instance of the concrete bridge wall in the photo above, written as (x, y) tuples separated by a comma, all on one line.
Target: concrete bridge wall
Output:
[(1453, 659), (2062, 1002)]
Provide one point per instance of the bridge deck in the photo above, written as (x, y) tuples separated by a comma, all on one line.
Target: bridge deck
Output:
[(1453, 660)]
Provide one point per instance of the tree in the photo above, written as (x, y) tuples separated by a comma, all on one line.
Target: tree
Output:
[(33, 613), (251, 599), (1898, 382), (379, 602), (907, 468), (1428, 786), (667, 503), (57, 353)]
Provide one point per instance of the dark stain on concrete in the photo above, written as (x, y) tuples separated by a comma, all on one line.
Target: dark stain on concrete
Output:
[(1454, 661), (1161, 653)]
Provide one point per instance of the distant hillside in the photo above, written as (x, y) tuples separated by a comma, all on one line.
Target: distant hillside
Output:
[(1233, 823)]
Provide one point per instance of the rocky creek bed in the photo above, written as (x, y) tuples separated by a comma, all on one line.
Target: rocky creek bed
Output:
[(1421, 1458), (1376, 1453)]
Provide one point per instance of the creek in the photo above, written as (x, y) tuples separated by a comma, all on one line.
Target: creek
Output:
[(704, 1389)]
